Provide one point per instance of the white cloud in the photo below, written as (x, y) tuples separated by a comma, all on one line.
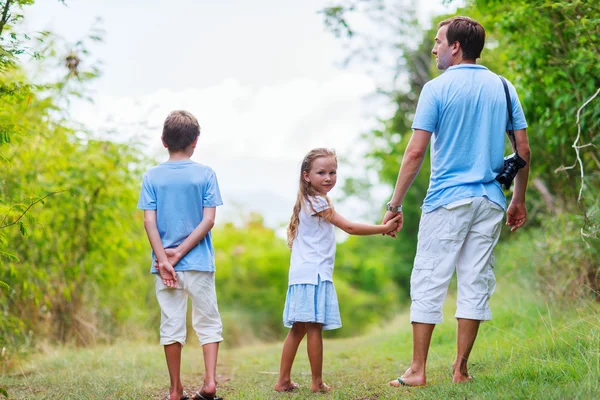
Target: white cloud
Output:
[(253, 138)]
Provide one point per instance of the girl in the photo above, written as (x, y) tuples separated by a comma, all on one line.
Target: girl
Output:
[(311, 304)]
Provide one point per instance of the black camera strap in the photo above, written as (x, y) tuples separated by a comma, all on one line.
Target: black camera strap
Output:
[(511, 132)]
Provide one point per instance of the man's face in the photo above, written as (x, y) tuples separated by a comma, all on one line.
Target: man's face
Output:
[(441, 50)]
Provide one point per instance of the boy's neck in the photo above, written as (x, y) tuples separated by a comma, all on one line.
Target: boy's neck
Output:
[(180, 156)]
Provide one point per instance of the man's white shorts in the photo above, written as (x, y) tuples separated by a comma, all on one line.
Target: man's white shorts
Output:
[(200, 287), (462, 236)]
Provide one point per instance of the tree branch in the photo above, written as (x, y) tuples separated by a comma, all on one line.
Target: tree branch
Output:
[(31, 205), (577, 147), (5, 15)]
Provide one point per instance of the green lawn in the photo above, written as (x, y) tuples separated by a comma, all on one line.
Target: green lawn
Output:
[(529, 351)]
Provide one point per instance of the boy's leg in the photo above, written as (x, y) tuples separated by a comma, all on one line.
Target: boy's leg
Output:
[(476, 282), (207, 324), (210, 351), (314, 333), (173, 356), (173, 305), (290, 348)]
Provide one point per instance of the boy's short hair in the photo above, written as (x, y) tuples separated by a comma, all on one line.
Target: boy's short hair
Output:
[(180, 130), (468, 32)]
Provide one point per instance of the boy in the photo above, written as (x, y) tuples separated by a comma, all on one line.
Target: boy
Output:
[(179, 199)]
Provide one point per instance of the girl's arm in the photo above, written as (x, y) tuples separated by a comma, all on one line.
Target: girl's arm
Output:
[(355, 228)]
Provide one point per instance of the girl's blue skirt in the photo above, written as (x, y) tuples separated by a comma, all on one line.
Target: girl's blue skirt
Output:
[(312, 303)]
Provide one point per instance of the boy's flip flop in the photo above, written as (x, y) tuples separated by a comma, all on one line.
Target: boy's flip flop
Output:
[(200, 396), (185, 397)]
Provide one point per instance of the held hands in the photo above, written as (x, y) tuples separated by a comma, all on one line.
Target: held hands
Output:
[(516, 215), (393, 221)]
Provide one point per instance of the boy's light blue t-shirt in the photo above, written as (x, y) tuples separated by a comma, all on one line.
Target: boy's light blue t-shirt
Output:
[(179, 191), (465, 109)]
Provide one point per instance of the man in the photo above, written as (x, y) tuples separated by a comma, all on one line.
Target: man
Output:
[(464, 114)]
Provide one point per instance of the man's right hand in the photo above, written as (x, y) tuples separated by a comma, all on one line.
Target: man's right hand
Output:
[(516, 215)]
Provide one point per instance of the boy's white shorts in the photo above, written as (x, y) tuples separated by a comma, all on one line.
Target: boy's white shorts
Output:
[(200, 287), (461, 236)]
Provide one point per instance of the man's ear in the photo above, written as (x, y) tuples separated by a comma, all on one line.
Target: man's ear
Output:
[(456, 48)]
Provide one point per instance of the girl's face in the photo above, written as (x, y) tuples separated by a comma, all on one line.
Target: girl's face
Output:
[(322, 175)]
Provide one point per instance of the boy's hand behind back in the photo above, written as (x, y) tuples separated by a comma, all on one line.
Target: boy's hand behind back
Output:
[(168, 274)]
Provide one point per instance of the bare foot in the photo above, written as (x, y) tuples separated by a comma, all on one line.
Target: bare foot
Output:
[(460, 373), (409, 378), (322, 387), (285, 386), (461, 378)]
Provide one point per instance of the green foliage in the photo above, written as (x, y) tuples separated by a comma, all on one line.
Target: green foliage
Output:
[(550, 50)]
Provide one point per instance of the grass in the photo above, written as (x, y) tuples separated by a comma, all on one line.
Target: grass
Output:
[(533, 349), (529, 351)]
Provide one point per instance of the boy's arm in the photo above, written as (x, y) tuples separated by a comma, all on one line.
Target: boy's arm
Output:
[(208, 221), (167, 273)]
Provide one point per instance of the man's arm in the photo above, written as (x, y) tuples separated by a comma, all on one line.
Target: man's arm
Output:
[(167, 273), (516, 215), (409, 169), (208, 221)]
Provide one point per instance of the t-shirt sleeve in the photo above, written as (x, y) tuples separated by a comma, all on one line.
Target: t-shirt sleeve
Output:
[(518, 114), (147, 199), (319, 203), (212, 194), (427, 113)]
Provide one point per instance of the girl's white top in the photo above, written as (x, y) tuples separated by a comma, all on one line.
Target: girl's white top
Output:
[(313, 249)]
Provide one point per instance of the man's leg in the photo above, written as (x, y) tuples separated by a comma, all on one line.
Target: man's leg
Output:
[(465, 338), (441, 235), (415, 375), (476, 282)]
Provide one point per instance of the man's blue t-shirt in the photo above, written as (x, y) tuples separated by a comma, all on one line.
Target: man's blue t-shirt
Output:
[(465, 109), (179, 191)]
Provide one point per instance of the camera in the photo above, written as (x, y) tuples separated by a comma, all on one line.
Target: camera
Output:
[(512, 165)]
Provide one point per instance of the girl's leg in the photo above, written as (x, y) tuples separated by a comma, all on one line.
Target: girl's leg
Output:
[(290, 348), (315, 356)]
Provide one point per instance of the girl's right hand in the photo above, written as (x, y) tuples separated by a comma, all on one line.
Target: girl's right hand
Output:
[(394, 225)]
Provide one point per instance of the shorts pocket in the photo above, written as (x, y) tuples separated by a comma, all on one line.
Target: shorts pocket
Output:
[(420, 278), (455, 219)]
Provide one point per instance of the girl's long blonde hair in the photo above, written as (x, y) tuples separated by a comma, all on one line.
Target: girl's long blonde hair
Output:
[(306, 190)]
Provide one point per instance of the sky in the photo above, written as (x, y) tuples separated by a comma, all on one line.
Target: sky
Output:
[(264, 78)]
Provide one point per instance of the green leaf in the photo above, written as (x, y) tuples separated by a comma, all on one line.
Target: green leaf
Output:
[(9, 256), (4, 285), (3, 392)]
